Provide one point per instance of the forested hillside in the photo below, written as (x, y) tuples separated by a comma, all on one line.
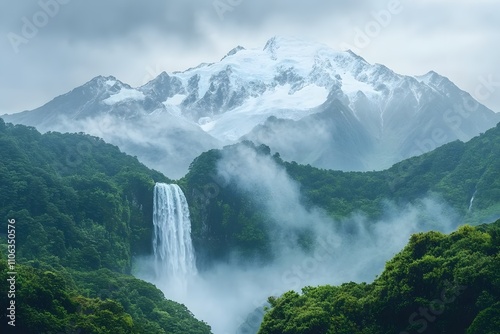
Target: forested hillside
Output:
[(437, 284), (82, 210), (226, 217)]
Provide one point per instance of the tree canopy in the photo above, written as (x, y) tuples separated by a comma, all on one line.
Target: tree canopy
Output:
[(438, 284), (83, 209)]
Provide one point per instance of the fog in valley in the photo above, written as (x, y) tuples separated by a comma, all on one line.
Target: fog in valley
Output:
[(230, 296)]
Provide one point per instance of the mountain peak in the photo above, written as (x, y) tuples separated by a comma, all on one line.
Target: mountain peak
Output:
[(234, 51), (292, 79), (304, 49), (356, 56), (103, 78), (428, 76), (160, 79), (435, 79), (102, 81)]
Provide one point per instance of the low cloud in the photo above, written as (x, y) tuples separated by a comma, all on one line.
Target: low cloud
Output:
[(124, 38), (230, 297), (162, 141)]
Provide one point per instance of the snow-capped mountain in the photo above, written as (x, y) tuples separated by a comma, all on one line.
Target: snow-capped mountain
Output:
[(136, 123), (310, 103)]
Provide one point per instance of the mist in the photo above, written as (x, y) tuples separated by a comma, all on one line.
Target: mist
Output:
[(329, 137), (230, 296), (162, 141)]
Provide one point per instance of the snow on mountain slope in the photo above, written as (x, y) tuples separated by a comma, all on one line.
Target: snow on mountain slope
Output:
[(330, 137), (125, 117), (289, 75), (277, 102), (125, 94), (336, 100)]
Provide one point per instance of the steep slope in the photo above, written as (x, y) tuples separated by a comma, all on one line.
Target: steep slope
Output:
[(180, 115), (437, 284), (82, 210), (79, 184), (138, 124), (228, 217), (331, 138), (101, 95)]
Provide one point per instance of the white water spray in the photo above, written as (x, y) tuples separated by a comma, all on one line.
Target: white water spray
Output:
[(173, 251)]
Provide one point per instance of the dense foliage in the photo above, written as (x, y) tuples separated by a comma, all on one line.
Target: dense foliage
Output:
[(75, 197), (60, 300), (82, 210), (437, 284), (455, 171), (225, 218)]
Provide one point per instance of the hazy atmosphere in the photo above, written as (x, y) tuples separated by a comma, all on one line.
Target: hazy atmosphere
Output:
[(135, 41), (352, 250), (249, 167)]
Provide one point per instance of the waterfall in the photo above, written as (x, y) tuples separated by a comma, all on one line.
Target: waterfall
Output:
[(472, 200), (172, 247)]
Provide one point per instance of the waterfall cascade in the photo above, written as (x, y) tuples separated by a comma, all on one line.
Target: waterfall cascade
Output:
[(472, 200), (172, 247)]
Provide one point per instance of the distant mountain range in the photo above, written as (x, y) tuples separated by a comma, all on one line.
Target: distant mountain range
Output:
[(310, 103)]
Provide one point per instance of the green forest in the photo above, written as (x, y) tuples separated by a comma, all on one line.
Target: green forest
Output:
[(226, 218), (437, 284), (82, 209)]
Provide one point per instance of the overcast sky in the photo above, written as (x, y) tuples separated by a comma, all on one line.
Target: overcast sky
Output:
[(136, 40)]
